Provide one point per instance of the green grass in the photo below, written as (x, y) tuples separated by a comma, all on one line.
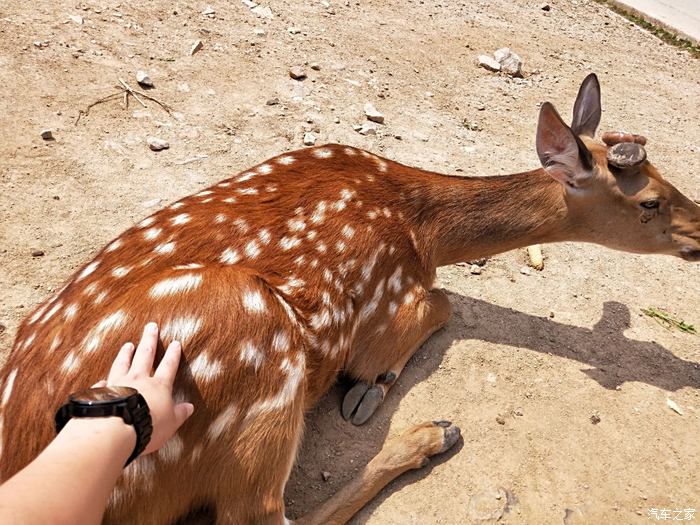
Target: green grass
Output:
[(668, 321), (655, 30)]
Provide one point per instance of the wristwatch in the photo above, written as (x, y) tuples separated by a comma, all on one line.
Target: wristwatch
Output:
[(120, 401)]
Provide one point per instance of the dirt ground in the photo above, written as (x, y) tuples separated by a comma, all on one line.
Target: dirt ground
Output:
[(543, 353)]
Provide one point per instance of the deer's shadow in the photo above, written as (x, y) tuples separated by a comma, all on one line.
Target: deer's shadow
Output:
[(611, 359)]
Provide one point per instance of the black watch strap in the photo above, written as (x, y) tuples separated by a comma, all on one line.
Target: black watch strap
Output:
[(132, 409)]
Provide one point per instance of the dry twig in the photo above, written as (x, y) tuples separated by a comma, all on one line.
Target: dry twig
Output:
[(125, 91)]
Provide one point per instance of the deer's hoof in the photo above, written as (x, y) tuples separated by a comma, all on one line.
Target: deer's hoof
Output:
[(361, 401), (450, 434)]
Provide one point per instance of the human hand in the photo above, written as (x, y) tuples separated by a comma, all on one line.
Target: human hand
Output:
[(133, 368)]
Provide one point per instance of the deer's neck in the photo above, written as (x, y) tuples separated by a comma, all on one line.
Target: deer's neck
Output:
[(462, 219)]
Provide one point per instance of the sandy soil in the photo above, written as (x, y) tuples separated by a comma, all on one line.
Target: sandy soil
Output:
[(544, 352)]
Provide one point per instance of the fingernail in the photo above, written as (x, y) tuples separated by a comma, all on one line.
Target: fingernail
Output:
[(152, 327)]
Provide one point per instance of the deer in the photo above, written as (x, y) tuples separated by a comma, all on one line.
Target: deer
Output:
[(312, 263)]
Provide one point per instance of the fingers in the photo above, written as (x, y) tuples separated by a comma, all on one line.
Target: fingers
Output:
[(99, 384), (182, 412), (168, 365), (122, 362), (146, 351)]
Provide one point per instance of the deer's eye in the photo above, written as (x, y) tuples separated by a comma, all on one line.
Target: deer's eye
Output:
[(651, 204)]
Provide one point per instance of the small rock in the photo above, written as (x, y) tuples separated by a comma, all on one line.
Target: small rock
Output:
[(47, 134), (143, 79), (368, 128), (76, 18), (259, 32), (325, 475), (500, 420), (372, 113), (595, 419), (297, 73), (545, 7), (489, 63), (197, 46), (510, 63), (209, 11), (480, 262), (525, 270), (272, 101), (674, 406), (262, 12), (475, 269), (518, 412), (157, 144), (293, 30), (336, 120), (37, 253), (315, 66), (309, 138)]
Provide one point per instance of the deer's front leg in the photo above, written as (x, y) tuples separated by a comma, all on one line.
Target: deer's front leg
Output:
[(380, 364)]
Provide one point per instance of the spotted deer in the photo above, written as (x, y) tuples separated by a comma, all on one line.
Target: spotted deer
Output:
[(314, 262)]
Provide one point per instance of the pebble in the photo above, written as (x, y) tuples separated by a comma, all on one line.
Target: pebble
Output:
[(76, 18), (336, 120), (37, 253), (309, 138), (262, 12), (208, 11), (500, 420), (525, 270), (325, 475), (272, 101), (475, 269), (197, 46), (315, 66), (372, 113), (143, 79), (297, 73), (293, 30), (510, 63), (489, 63), (545, 7), (595, 419), (157, 144), (368, 128), (47, 134)]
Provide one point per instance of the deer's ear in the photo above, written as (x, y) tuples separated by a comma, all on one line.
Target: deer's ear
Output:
[(562, 154), (587, 107)]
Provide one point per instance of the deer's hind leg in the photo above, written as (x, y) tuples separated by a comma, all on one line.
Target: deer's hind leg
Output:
[(386, 353)]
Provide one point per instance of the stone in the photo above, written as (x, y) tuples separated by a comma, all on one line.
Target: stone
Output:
[(77, 19), (208, 11), (325, 475), (143, 79), (293, 30), (510, 63), (37, 253), (525, 270), (545, 7), (297, 73), (157, 144), (475, 269), (262, 12), (47, 134), (489, 63), (197, 46), (368, 128), (372, 113), (336, 120), (272, 101), (309, 138), (315, 66)]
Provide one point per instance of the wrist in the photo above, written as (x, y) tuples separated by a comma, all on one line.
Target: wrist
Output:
[(110, 431)]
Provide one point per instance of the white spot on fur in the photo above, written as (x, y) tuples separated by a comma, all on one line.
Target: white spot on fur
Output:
[(176, 206), (394, 283), (140, 472), (247, 191), (100, 297), (319, 213), (251, 355), (264, 169), (287, 243), (372, 214), (321, 247), (224, 184), (264, 236), (55, 343), (222, 421), (299, 260), (183, 218), (322, 153), (173, 285), (340, 246), (70, 363), (121, 271), (230, 256), (55, 308), (111, 322), (203, 369), (146, 222), (387, 212), (181, 329), (70, 311), (270, 188), (245, 176), (252, 249), (90, 289), (369, 308), (188, 266), (165, 248), (38, 313), (229, 200), (321, 319), (114, 245), (241, 224), (280, 341), (28, 341), (9, 385), (296, 225), (152, 233), (171, 450), (393, 308), (348, 231), (339, 205), (88, 270), (220, 218), (286, 160), (349, 151), (204, 193), (253, 301), (311, 235), (288, 392)]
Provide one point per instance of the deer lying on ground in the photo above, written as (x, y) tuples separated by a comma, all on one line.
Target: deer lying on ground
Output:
[(316, 261)]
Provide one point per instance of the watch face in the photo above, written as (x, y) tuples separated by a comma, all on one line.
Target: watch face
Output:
[(108, 394)]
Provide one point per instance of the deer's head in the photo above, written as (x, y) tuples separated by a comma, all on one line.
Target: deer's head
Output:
[(614, 195)]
